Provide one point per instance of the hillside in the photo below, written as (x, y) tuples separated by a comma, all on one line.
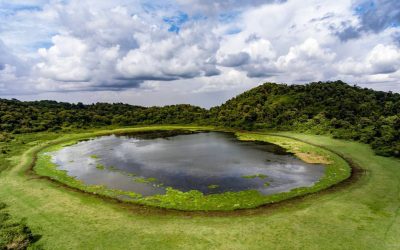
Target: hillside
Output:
[(347, 112)]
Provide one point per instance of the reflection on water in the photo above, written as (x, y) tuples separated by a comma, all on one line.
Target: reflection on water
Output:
[(211, 162)]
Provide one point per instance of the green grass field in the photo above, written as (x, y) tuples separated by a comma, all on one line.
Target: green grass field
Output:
[(361, 215)]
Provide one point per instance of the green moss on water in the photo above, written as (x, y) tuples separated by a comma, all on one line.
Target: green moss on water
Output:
[(266, 184), (100, 166), (213, 186), (144, 180), (112, 168), (94, 156), (151, 179), (261, 176), (44, 166)]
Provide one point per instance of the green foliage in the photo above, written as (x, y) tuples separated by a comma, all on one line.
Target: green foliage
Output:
[(25, 117), (346, 112)]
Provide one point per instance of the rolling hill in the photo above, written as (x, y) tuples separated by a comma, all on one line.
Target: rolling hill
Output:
[(336, 108)]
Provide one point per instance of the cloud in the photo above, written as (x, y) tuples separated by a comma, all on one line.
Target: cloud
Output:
[(193, 47), (14, 73), (235, 60), (348, 33), (67, 60), (307, 61), (13, 82), (7, 57), (373, 16), (396, 38), (218, 6), (383, 59), (378, 15), (305, 54), (258, 58), (167, 56), (251, 54), (106, 45)]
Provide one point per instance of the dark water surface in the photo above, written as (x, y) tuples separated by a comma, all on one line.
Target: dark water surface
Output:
[(211, 162)]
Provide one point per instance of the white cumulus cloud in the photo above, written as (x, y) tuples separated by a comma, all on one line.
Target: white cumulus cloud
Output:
[(178, 50), (382, 59)]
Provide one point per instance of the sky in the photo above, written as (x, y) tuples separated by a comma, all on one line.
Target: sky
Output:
[(201, 52)]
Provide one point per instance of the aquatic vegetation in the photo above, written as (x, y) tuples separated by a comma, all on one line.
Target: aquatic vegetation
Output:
[(94, 156), (261, 176), (144, 180), (213, 186), (266, 184), (100, 166), (112, 168)]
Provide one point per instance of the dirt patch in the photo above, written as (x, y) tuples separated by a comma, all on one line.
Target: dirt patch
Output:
[(313, 158)]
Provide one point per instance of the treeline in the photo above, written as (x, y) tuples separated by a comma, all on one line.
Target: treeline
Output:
[(347, 112), (25, 117)]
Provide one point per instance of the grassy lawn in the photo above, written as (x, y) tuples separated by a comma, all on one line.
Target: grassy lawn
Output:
[(363, 215)]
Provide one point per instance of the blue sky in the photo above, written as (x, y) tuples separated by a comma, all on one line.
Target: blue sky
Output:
[(192, 51)]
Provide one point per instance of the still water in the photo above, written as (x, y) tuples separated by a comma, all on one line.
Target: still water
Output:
[(211, 162)]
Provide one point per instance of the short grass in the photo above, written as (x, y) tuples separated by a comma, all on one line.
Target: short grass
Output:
[(363, 215)]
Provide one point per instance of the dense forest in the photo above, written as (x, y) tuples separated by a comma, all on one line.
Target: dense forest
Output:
[(347, 112), (25, 117), (335, 108)]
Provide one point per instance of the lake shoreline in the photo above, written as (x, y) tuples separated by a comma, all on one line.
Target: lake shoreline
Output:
[(182, 197)]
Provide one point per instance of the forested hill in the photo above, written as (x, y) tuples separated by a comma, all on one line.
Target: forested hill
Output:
[(23, 117), (347, 112), (335, 108)]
